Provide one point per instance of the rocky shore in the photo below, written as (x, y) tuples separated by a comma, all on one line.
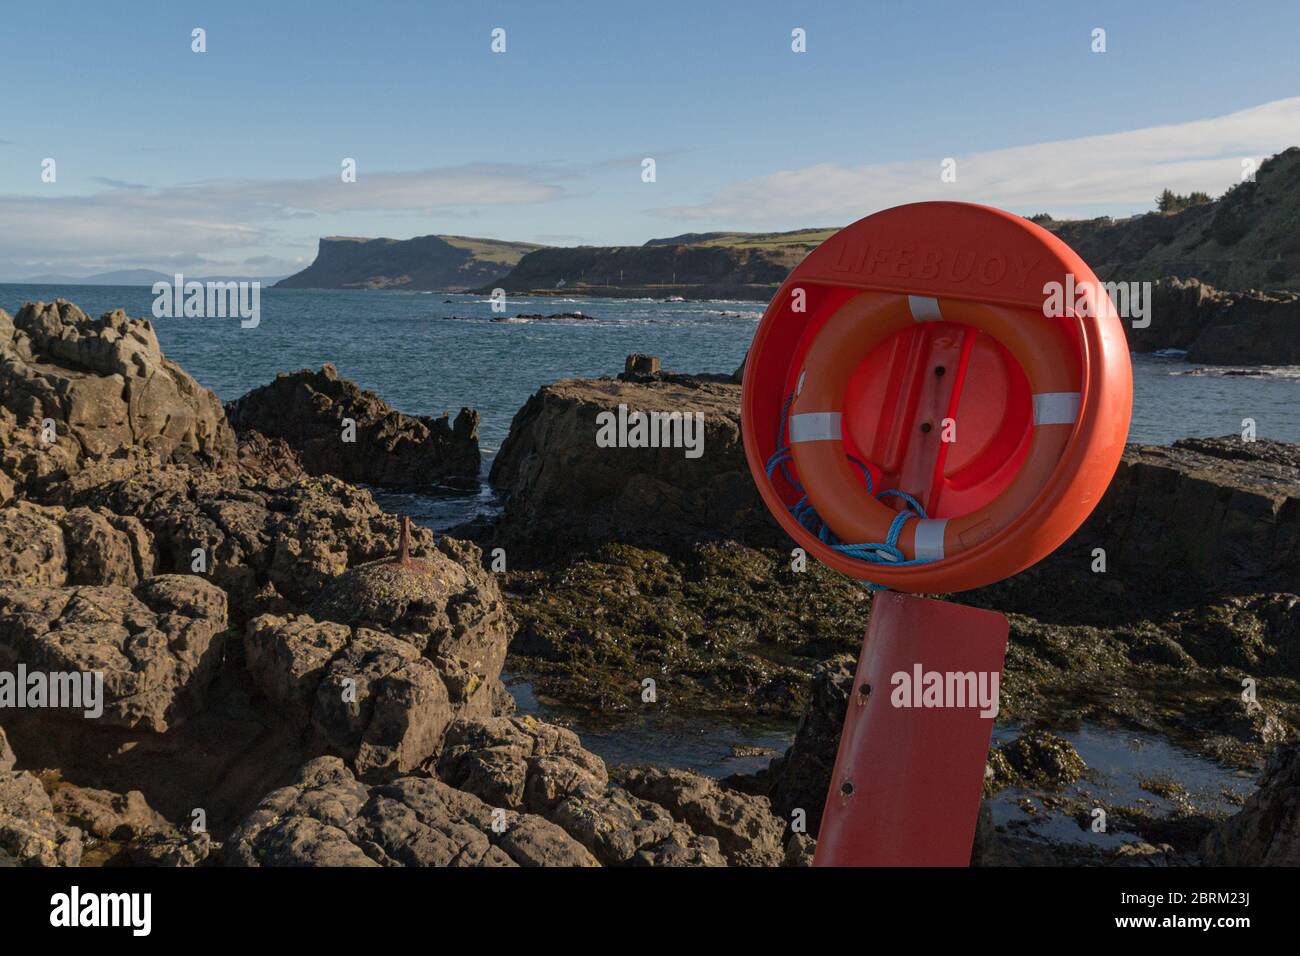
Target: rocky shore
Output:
[(280, 683), (310, 411), (658, 566), (283, 684), (1217, 327)]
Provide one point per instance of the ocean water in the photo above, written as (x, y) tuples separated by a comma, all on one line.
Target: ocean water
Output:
[(426, 353)]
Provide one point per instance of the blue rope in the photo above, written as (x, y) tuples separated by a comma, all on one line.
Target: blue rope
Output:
[(885, 552)]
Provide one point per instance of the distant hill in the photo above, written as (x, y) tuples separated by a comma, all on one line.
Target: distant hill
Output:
[(121, 277), (1248, 238), (710, 265), (425, 263)]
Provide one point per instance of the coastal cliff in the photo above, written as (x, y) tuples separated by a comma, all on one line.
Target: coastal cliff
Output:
[(425, 263), (698, 266)]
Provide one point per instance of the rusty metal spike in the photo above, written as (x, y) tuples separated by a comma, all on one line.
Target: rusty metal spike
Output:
[(404, 542)]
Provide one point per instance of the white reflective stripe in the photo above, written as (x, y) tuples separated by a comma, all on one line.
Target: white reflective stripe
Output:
[(929, 539), (815, 426), (924, 309), (1056, 408)]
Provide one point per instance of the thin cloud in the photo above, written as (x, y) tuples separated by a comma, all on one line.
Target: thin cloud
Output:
[(224, 215), (1121, 172), (116, 183)]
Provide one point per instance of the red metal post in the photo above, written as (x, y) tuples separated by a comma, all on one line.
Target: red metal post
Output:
[(910, 767)]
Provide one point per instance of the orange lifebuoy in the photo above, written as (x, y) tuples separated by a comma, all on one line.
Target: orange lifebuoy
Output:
[(816, 439), (845, 375)]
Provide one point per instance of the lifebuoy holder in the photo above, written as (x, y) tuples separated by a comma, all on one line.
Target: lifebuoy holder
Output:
[(912, 350)]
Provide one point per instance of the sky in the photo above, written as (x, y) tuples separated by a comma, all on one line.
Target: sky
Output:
[(229, 161)]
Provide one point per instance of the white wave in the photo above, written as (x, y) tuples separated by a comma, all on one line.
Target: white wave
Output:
[(1242, 371)]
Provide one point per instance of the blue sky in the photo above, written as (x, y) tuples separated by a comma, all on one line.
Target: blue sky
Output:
[(229, 160)]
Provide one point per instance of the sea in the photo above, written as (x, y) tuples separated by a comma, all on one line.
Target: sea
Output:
[(430, 352)]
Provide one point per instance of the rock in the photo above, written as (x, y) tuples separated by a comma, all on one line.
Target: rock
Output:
[(109, 392), (518, 762), (800, 779), (1224, 513), (1266, 831), (638, 365), (382, 705), (1143, 854), (648, 496), (26, 460), (30, 833), (738, 376), (1235, 718), (108, 815), (523, 763), (383, 700), (1037, 758), (172, 849), (7, 758), (306, 409), (105, 548), (296, 538), (368, 696), (268, 459), (157, 646), (1200, 519), (328, 818), (443, 602), (53, 546), (680, 848), (799, 850), (1221, 328), (32, 552), (304, 824), (288, 659), (616, 826), (743, 825)]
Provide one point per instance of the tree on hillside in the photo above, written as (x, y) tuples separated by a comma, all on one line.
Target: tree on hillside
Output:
[(1170, 201)]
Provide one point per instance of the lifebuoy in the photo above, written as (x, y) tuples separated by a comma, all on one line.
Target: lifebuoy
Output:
[(843, 378), (815, 427)]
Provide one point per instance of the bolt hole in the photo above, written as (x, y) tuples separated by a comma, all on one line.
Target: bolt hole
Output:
[(865, 690), (925, 427), (846, 788), (939, 370)]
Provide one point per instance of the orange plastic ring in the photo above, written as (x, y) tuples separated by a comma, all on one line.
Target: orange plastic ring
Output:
[(815, 426), (1041, 399)]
